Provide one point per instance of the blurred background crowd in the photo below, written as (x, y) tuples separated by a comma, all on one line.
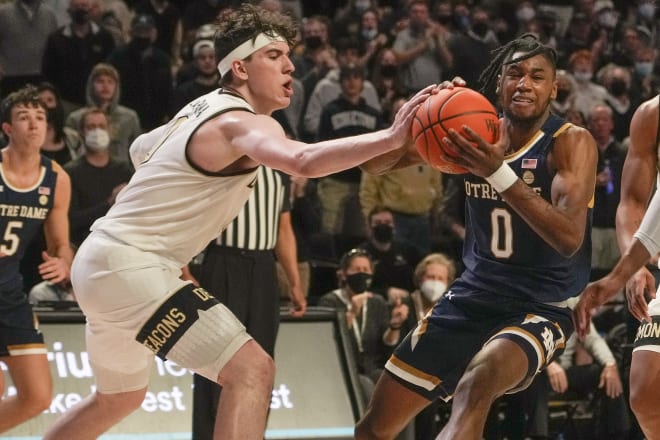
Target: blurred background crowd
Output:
[(109, 70)]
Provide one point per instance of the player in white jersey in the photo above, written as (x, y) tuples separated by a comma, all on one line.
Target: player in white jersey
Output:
[(638, 234), (192, 177)]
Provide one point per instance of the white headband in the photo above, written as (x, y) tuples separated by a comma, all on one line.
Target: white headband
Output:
[(246, 49)]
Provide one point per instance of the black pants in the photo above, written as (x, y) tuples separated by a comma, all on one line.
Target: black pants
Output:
[(246, 283)]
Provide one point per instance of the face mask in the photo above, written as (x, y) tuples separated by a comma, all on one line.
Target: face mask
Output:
[(369, 34), (388, 70), (562, 95), (646, 11), (358, 282), (618, 87), (644, 68), (480, 28), (79, 16), (383, 233), (313, 42), (444, 19), (608, 19), (141, 43), (525, 13), (97, 140), (433, 289), (582, 76)]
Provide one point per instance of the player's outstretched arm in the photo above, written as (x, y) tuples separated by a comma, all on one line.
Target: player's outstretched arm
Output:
[(262, 139)]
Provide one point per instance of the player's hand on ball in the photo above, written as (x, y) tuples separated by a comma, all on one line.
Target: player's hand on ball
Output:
[(456, 81), (473, 152)]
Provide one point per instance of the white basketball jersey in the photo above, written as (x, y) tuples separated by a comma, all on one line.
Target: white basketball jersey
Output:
[(169, 207)]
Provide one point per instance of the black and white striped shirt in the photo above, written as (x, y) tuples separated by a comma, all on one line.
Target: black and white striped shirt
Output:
[(256, 226)]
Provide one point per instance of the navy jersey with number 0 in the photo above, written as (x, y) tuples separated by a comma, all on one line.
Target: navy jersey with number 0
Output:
[(502, 254), (22, 212)]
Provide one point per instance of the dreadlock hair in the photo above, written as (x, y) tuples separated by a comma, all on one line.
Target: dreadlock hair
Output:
[(502, 56), (247, 22)]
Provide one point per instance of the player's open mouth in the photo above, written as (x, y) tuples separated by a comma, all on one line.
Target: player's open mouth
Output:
[(522, 100), (288, 88)]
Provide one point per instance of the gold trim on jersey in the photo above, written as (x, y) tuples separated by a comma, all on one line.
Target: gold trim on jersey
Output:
[(412, 374), (537, 137), (40, 180)]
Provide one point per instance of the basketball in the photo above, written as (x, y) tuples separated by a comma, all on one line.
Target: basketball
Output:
[(451, 108)]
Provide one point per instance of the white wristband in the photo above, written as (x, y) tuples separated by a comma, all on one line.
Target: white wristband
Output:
[(503, 178)]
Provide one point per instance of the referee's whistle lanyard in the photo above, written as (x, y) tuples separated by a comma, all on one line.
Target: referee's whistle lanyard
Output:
[(358, 326)]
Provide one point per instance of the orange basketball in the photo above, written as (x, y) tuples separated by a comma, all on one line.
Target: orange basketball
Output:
[(451, 108)]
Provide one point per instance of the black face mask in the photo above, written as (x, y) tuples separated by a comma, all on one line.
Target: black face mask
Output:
[(79, 16), (618, 87), (388, 70), (562, 95), (383, 233), (358, 282), (141, 43), (313, 42), (445, 19), (480, 28)]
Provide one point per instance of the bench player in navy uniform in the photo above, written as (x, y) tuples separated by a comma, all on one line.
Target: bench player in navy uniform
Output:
[(526, 251), (34, 191)]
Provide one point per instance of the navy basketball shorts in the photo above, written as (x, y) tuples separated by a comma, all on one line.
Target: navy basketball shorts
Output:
[(433, 357), (19, 328)]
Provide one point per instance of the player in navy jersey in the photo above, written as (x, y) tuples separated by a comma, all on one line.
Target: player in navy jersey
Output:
[(34, 191), (526, 251)]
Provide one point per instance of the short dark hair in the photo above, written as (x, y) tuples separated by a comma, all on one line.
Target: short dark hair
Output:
[(246, 23), (27, 95)]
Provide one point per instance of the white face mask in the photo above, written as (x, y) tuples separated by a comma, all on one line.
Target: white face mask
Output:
[(525, 13), (582, 76), (433, 290), (646, 11), (97, 140)]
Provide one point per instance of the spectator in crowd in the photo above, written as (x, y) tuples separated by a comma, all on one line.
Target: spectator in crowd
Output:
[(197, 13), (525, 15), (611, 155), (565, 99), (394, 260), (579, 36), (371, 39), (24, 29), (167, 19), (107, 19), (645, 15), (205, 81), (421, 48), (386, 79), (329, 88), (347, 115), (316, 57), (62, 143), (587, 93), (72, 51), (646, 82), (103, 92), (96, 176), (432, 275), (239, 267), (411, 194), (30, 183), (632, 38), (567, 379), (375, 329), (618, 81), (605, 30), (348, 19), (145, 73), (472, 49)]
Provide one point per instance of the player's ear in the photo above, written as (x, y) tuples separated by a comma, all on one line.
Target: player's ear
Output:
[(498, 84), (239, 70)]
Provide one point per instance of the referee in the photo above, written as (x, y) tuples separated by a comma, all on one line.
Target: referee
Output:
[(239, 269)]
